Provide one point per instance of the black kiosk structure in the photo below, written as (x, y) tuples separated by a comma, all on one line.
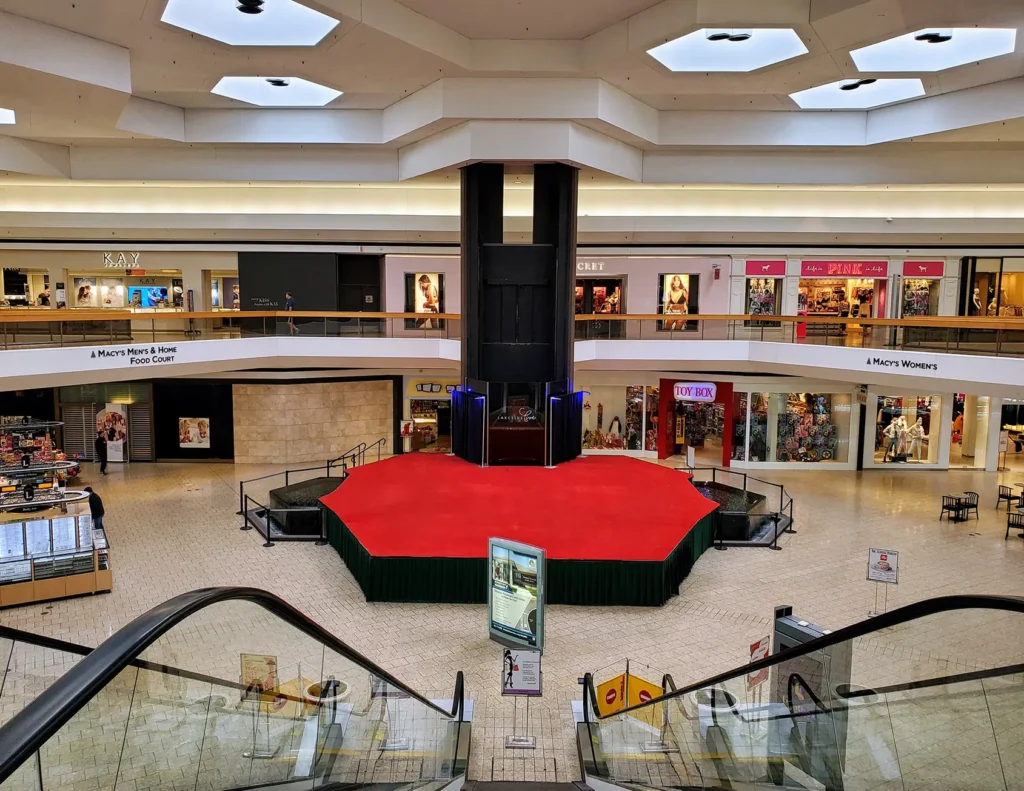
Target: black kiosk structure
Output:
[(516, 403)]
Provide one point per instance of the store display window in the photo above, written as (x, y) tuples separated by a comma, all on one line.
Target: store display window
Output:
[(739, 426), (855, 298), (903, 429), (920, 297), (224, 294), (432, 424), (678, 296), (597, 296), (764, 298), (613, 418), (651, 419), (759, 426), (424, 293), (814, 427)]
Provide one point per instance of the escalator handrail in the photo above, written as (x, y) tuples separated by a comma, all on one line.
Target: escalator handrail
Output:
[(911, 612), (34, 725)]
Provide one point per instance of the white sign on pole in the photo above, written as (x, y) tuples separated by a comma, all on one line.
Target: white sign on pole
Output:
[(884, 566), (1004, 441), (520, 672)]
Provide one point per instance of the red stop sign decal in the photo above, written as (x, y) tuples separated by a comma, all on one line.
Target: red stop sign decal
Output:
[(644, 696), (609, 696)]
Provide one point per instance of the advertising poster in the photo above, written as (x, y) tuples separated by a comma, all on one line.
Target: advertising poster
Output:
[(424, 294), (111, 292), (520, 672), (229, 293), (759, 651), (193, 432), (408, 428), (884, 566), (149, 296), (515, 593), (84, 292), (674, 301), (259, 672), (112, 420)]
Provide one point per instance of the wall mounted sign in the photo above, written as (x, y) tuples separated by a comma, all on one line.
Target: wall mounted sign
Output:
[(930, 269), (872, 269), (766, 268), (695, 391), (120, 260), (590, 266)]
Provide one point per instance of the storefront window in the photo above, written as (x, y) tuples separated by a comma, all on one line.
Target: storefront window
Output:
[(739, 426), (764, 296), (814, 427), (857, 298), (984, 297), (969, 435), (651, 420), (759, 426), (432, 424), (920, 298), (613, 418), (599, 296), (904, 427)]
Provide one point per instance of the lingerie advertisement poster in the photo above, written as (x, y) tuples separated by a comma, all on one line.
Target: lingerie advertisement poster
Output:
[(424, 294), (674, 301)]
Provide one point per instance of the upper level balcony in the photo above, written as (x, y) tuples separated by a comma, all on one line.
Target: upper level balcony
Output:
[(973, 355)]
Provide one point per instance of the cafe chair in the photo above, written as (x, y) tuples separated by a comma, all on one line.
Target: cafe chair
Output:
[(1013, 522), (1006, 493), (970, 503), (952, 506)]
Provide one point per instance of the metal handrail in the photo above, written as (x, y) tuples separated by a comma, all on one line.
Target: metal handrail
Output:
[(911, 612), (38, 722)]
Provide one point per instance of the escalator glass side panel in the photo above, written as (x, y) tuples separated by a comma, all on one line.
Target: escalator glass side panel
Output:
[(930, 703)]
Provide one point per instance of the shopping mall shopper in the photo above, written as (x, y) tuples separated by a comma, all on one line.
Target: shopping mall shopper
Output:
[(95, 508), (289, 305), (44, 298), (101, 451)]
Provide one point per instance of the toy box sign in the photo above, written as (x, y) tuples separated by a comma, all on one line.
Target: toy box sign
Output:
[(704, 392)]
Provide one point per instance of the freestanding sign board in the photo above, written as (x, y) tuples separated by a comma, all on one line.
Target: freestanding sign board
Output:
[(520, 672), (884, 566), (515, 594)]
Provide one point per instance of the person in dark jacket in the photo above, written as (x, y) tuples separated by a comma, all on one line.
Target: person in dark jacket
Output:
[(101, 451), (96, 508)]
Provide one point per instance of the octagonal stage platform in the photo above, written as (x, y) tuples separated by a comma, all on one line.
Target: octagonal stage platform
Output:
[(617, 531)]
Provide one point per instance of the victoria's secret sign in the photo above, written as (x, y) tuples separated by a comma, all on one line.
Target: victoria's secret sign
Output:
[(695, 391), (873, 269)]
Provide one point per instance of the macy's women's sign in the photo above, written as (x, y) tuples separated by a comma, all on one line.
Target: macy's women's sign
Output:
[(695, 391)]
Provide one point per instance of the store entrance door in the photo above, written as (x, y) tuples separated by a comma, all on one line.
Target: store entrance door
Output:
[(699, 426), (432, 425), (604, 295)]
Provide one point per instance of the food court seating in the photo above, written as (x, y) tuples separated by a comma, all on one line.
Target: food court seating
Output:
[(1013, 522), (1006, 493), (951, 505), (970, 503)]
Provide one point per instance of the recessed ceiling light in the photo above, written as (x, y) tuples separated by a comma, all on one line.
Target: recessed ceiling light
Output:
[(276, 91), (6, 116), (858, 94), (729, 50), (271, 23), (935, 49)]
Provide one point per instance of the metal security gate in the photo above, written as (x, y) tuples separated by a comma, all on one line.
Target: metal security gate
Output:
[(140, 432)]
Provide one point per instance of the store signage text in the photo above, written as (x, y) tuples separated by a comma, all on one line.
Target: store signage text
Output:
[(140, 355), (881, 362), (844, 269), (695, 391), (766, 268), (923, 268), (590, 266), (120, 260)]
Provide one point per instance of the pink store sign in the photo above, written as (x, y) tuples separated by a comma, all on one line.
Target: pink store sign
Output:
[(766, 268), (872, 269), (923, 268)]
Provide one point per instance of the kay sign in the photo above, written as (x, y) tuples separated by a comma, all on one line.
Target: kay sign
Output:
[(695, 391)]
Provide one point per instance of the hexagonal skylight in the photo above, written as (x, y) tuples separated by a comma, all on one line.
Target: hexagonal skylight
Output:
[(935, 49), (867, 94), (271, 23), (720, 50), (6, 116), (276, 91)]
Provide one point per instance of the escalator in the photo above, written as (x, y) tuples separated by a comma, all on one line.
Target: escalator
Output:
[(925, 697), (217, 689), (231, 688)]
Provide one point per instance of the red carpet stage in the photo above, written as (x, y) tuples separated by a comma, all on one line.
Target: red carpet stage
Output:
[(414, 528)]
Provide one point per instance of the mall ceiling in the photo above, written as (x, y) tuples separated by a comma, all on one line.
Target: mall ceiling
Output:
[(393, 90)]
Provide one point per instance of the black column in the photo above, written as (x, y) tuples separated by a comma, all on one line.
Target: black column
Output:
[(517, 338)]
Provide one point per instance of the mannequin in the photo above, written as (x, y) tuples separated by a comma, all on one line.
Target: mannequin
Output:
[(916, 435), (904, 432), (976, 301), (892, 433)]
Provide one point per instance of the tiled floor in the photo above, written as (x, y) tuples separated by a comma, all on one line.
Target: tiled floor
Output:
[(173, 528)]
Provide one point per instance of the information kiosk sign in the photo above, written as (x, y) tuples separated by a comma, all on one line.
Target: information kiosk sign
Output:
[(515, 594)]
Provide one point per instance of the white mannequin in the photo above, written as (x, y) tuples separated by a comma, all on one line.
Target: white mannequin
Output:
[(976, 299), (892, 433), (916, 434), (904, 430)]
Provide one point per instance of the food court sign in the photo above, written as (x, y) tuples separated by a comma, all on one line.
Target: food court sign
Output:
[(695, 391)]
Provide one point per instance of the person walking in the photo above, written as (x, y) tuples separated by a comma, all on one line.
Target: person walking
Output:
[(289, 306), (101, 451), (96, 508)]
